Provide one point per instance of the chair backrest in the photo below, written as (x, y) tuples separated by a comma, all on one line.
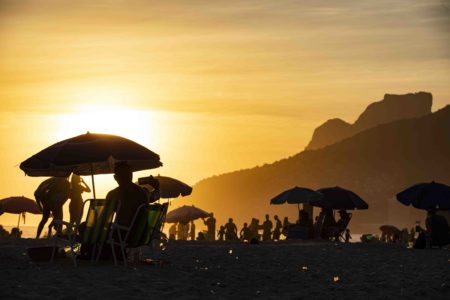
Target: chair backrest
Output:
[(98, 220), (146, 223)]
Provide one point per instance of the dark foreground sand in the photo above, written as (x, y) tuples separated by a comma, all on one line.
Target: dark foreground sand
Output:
[(283, 270)]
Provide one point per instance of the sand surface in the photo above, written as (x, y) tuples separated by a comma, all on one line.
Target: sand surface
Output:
[(221, 270)]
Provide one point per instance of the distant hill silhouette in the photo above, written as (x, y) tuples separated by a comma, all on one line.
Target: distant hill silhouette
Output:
[(391, 108), (376, 163)]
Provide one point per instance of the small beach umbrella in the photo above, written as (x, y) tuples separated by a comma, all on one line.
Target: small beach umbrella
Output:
[(170, 187), (426, 196), (339, 198), (185, 214), (297, 195), (19, 205), (89, 154)]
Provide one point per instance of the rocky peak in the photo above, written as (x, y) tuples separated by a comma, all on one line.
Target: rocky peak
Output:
[(391, 108)]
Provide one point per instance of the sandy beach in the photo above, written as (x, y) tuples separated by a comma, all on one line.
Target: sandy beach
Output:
[(222, 270)]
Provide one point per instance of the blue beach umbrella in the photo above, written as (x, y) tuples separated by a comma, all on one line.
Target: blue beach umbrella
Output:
[(426, 196)]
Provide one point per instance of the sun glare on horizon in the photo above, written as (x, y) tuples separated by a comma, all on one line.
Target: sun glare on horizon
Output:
[(110, 119)]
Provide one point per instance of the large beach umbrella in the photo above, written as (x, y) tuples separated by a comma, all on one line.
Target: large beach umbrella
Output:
[(185, 214), (89, 154), (170, 187), (426, 196), (339, 198), (18, 205)]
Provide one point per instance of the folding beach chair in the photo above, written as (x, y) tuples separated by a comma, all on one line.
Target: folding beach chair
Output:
[(91, 234), (145, 226), (337, 232)]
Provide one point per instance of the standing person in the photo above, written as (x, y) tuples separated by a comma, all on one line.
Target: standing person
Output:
[(52, 194), (230, 231), (277, 230), (192, 232), (221, 233), (348, 237), (77, 187), (211, 225), (245, 233), (173, 231), (286, 225), (180, 231), (267, 229)]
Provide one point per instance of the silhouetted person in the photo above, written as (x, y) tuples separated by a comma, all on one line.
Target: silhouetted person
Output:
[(267, 229), (245, 233), (173, 231), (77, 187), (347, 235), (230, 231), (180, 231), (286, 225), (128, 194), (328, 221), (3, 232), (192, 232), (221, 233), (253, 228), (16, 233), (211, 225), (304, 219), (277, 229), (51, 195), (344, 219), (436, 234)]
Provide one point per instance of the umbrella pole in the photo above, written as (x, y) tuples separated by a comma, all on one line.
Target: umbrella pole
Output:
[(298, 206), (18, 222), (93, 183)]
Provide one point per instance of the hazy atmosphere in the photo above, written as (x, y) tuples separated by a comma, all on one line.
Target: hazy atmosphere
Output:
[(212, 86)]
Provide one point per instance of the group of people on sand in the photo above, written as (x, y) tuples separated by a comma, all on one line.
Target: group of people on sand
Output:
[(182, 231), (325, 226), (53, 193), (15, 233)]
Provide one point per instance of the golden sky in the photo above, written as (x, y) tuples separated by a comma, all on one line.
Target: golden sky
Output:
[(211, 86)]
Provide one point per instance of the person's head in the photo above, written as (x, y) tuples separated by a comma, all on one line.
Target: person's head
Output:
[(211, 214), (245, 224), (122, 173), (267, 217), (275, 217), (230, 220), (75, 179)]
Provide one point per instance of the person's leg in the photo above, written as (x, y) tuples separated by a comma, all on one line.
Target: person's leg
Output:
[(45, 216), (57, 212)]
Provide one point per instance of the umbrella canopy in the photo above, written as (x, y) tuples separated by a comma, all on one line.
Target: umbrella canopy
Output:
[(170, 187), (426, 196), (297, 195), (185, 214), (339, 198), (18, 205), (89, 154)]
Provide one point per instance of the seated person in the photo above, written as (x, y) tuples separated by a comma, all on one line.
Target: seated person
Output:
[(16, 233), (437, 231), (130, 195)]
